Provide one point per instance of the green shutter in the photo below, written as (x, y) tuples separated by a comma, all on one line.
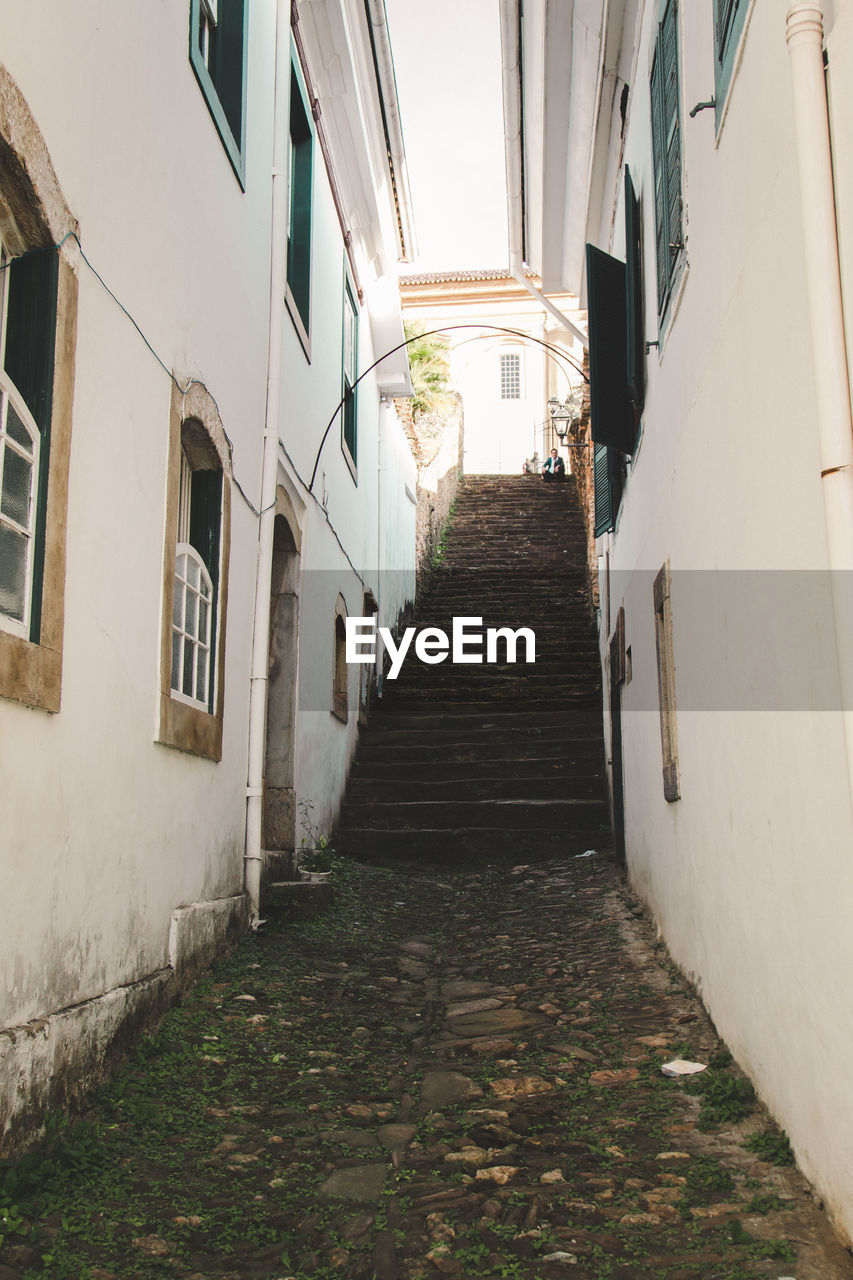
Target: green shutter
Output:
[(29, 361), (607, 483), (666, 152), (301, 167), (636, 347), (223, 82), (729, 17), (228, 74), (612, 418)]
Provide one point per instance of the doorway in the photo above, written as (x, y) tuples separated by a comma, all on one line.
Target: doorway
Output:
[(279, 833)]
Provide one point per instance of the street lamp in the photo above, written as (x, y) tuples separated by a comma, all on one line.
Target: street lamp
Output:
[(565, 416)]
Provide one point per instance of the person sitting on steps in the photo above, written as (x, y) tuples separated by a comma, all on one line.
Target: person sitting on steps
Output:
[(554, 468)]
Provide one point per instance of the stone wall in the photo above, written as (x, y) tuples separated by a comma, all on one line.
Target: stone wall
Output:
[(436, 442)]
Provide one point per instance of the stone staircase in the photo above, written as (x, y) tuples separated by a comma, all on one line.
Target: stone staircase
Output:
[(492, 761)]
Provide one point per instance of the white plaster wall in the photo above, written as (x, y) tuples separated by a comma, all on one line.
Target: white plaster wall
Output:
[(111, 833), (749, 874), (106, 837)]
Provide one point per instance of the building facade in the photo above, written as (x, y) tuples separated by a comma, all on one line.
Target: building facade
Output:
[(508, 357), (688, 173), (197, 277)]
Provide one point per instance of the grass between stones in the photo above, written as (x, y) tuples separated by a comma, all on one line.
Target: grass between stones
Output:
[(208, 1154)]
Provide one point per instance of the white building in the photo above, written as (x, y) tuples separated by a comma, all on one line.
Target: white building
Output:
[(705, 153), (508, 356), (237, 185)]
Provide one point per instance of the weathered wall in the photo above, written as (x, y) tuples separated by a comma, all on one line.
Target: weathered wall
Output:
[(122, 857), (749, 872)]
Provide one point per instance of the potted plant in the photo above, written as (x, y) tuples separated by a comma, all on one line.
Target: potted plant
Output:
[(315, 854)]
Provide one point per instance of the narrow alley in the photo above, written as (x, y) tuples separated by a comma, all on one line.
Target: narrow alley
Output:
[(457, 1068), (447, 1074)]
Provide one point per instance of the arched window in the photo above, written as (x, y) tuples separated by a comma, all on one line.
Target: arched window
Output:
[(195, 576), (196, 566), (38, 296)]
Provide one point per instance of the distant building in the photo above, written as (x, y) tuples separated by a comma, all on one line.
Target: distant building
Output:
[(180, 543), (501, 363)]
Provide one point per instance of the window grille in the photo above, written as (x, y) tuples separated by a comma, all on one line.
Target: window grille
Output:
[(511, 377)]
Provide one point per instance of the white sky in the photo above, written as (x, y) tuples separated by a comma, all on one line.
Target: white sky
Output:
[(448, 60)]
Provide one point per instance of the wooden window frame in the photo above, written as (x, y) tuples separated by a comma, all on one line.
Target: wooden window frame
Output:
[(227, 109), (184, 725)]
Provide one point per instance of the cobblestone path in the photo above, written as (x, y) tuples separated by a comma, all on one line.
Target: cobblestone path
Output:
[(446, 1074)]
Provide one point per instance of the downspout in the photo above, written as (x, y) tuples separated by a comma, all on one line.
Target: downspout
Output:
[(253, 857), (511, 72), (829, 354)]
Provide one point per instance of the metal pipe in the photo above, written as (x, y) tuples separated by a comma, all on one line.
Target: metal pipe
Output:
[(826, 315), (253, 855)]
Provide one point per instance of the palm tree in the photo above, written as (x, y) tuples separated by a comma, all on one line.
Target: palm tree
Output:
[(429, 361)]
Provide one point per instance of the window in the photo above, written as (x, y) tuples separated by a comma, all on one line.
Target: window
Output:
[(301, 147), (218, 48), (666, 153), (19, 467), (636, 351), (350, 374), (196, 568), (340, 674), (666, 684), (195, 577), (511, 376), (729, 18), (38, 325), (607, 476), (613, 421)]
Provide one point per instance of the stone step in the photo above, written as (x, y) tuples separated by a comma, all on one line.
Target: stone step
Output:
[(439, 815), (503, 720), (496, 766), (498, 786), (446, 846)]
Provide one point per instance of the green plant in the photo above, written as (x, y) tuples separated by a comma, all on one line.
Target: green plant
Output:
[(725, 1099), (429, 362), (315, 853), (764, 1204), (771, 1146), (706, 1176)]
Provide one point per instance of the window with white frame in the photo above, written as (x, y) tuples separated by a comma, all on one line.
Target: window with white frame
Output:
[(196, 571), (208, 13), (511, 376), (27, 304)]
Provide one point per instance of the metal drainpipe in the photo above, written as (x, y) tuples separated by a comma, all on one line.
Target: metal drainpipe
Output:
[(831, 374), (253, 856)]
